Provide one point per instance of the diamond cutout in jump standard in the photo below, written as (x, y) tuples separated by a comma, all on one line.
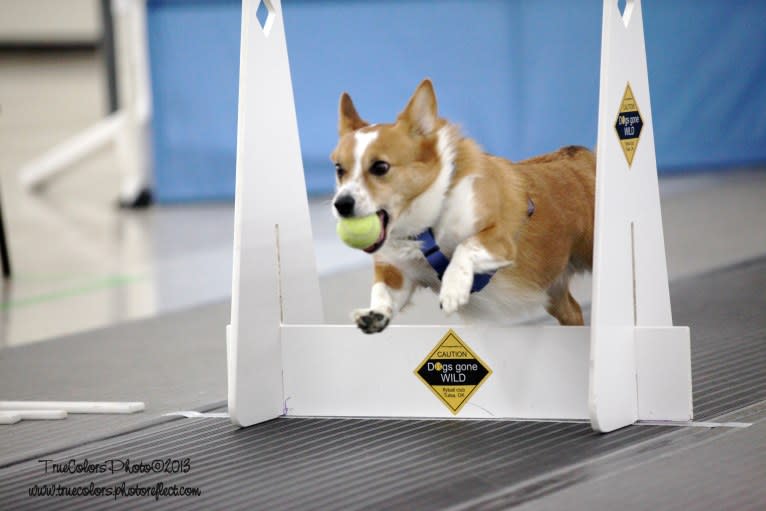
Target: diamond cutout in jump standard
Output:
[(265, 15)]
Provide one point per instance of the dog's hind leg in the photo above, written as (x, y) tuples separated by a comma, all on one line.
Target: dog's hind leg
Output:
[(562, 305)]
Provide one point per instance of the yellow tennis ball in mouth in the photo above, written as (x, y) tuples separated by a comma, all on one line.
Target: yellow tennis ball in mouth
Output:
[(360, 232)]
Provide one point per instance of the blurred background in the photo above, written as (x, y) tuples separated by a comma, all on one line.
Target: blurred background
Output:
[(118, 133)]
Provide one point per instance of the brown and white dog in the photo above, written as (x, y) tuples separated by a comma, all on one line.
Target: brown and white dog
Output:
[(530, 223)]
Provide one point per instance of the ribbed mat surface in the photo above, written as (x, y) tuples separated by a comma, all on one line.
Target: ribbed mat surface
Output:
[(396, 464), (727, 473), (726, 311), (327, 463)]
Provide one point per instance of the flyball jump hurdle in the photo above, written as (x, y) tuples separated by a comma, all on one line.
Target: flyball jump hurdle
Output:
[(631, 364)]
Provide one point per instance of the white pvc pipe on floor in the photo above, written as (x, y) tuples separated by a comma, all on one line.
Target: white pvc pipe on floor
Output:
[(73, 406)]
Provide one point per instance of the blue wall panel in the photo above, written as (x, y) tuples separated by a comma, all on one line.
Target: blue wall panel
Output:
[(379, 51), (707, 69), (194, 53), (519, 76)]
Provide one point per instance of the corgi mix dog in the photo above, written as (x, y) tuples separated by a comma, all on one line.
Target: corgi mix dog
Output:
[(488, 235)]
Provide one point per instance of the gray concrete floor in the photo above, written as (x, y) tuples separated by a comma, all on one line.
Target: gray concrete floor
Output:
[(80, 263)]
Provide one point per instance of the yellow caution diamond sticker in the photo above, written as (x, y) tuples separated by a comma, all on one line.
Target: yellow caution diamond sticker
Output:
[(629, 124), (453, 371)]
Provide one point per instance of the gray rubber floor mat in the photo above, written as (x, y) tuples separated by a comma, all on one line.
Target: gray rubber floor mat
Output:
[(396, 464), (172, 362), (727, 473), (726, 311), (326, 463)]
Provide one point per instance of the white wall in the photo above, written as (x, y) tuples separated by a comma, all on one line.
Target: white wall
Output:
[(49, 21)]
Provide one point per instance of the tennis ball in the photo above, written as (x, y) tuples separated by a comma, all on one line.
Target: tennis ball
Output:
[(360, 232)]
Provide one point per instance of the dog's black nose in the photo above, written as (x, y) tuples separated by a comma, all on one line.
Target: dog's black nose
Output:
[(345, 205)]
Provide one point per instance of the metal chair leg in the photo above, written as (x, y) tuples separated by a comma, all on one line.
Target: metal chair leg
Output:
[(4, 257)]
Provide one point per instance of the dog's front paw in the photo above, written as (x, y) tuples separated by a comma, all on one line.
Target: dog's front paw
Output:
[(370, 321), (456, 289)]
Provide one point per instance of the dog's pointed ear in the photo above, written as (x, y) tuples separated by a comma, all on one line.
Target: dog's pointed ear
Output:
[(348, 118), (421, 111)]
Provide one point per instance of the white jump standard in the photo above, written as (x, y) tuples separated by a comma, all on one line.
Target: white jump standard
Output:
[(631, 364)]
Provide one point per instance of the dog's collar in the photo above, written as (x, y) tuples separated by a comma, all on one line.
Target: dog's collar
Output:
[(439, 261)]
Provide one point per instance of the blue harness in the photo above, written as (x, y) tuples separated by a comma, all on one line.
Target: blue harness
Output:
[(439, 261)]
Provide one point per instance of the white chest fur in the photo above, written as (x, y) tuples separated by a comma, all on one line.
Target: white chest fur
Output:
[(458, 218), (455, 224)]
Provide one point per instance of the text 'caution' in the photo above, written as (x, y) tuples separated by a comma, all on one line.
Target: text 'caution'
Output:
[(452, 371)]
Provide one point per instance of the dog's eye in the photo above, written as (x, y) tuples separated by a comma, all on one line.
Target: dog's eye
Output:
[(339, 170), (379, 168)]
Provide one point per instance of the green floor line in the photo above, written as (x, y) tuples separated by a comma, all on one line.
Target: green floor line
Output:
[(110, 282)]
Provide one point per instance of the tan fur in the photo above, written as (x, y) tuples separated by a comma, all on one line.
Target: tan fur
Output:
[(414, 163), (558, 238), (348, 118), (389, 275), (561, 185), (543, 250)]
